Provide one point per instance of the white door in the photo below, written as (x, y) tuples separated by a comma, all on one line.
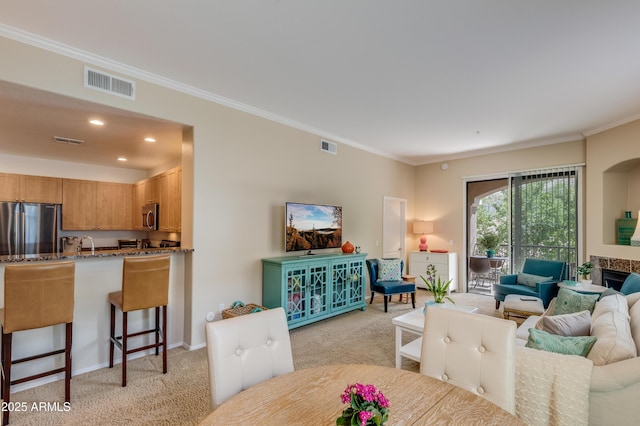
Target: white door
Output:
[(394, 225)]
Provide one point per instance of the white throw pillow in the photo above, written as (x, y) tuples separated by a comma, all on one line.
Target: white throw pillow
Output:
[(615, 302), (576, 324), (634, 314), (614, 342)]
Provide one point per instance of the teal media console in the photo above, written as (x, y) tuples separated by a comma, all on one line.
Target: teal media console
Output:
[(311, 288)]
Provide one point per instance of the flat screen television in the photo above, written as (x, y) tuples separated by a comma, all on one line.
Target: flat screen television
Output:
[(312, 227)]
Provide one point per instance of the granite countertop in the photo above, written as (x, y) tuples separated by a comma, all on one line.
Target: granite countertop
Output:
[(99, 252)]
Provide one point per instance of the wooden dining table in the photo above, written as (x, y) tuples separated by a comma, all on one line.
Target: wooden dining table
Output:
[(312, 397)]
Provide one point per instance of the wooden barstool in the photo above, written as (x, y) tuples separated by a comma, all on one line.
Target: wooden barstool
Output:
[(35, 296), (145, 285)]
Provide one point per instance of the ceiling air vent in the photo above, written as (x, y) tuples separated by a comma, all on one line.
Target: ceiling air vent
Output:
[(68, 141), (104, 82), (329, 147)]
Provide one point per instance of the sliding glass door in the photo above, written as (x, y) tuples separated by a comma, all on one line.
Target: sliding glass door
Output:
[(544, 215), (534, 213)]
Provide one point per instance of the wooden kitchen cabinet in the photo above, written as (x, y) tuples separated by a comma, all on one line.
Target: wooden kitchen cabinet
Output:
[(170, 200), (165, 190), (113, 204), (91, 205), (78, 204), (30, 189), (139, 200)]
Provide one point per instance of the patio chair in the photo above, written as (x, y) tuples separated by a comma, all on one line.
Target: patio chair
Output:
[(480, 267)]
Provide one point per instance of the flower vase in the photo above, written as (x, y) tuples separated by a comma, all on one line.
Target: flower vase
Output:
[(348, 247), (426, 305), (490, 253)]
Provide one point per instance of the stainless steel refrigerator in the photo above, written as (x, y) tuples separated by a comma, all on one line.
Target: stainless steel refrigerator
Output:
[(28, 228)]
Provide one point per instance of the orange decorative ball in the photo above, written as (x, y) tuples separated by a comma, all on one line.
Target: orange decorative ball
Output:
[(348, 247)]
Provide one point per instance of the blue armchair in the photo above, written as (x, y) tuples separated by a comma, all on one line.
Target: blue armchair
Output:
[(545, 290), (388, 288)]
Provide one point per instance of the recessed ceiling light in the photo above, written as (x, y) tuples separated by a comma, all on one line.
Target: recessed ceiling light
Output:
[(149, 139), (123, 159), (97, 122)]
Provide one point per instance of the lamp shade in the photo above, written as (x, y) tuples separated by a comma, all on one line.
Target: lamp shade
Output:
[(422, 227), (635, 238)]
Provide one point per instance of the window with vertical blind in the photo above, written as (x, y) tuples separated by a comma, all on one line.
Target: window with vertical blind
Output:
[(544, 215)]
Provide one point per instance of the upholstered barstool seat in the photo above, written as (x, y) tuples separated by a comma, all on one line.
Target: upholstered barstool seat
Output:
[(145, 285), (36, 296)]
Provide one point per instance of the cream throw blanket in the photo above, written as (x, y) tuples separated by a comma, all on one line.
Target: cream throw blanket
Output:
[(552, 389)]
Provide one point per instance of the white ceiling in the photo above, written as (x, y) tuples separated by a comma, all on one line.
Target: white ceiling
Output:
[(30, 119), (420, 80)]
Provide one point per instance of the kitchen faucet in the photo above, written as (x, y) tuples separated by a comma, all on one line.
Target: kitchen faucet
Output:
[(93, 248)]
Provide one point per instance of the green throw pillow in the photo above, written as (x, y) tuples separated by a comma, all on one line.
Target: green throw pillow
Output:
[(530, 279), (570, 301), (577, 345), (389, 270)]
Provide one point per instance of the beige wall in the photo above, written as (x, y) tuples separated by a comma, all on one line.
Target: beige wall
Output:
[(440, 194), (613, 171), (244, 169)]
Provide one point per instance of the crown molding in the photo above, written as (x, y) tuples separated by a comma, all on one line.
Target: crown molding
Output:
[(136, 73), (610, 126)]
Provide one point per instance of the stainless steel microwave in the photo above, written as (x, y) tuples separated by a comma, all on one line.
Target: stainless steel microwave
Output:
[(150, 217)]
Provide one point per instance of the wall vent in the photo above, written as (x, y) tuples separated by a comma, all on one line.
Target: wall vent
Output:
[(329, 147), (68, 141), (104, 82)]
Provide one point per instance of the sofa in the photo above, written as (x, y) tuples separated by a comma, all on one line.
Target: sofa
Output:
[(613, 394), (531, 281)]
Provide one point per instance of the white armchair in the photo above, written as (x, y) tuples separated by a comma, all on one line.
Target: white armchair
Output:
[(474, 352), (246, 350)]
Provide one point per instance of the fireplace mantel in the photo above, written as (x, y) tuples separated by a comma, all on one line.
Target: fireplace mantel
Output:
[(612, 263)]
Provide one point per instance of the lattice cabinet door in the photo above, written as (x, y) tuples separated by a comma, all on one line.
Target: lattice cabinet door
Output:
[(356, 283), (297, 288), (341, 286), (312, 288), (318, 290)]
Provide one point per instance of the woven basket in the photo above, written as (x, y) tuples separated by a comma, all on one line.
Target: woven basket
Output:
[(241, 310)]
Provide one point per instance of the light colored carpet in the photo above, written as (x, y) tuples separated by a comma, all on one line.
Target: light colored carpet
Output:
[(181, 397)]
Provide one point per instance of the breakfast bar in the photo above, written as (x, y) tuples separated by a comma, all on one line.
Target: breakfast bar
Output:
[(96, 275)]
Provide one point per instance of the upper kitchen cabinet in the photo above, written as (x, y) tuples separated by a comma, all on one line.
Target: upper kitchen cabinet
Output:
[(170, 200), (113, 203), (91, 205), (165, 190), (30, 189)]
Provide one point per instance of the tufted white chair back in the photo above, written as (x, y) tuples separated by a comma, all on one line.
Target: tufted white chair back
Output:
[(472, 351), (246, 350)]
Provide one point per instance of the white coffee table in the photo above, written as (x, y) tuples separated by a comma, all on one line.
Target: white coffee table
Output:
[(413, 322)]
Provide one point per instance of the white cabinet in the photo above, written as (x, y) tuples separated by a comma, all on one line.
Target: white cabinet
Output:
[(446, 267)]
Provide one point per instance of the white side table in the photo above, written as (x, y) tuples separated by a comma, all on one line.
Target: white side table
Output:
[(413, 322), (582, 288)]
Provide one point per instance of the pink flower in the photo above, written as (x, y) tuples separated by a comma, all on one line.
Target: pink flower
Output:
[(364, 416), (382, 400), (366, 403)]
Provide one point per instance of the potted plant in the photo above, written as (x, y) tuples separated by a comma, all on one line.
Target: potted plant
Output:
[(438, 288), (489, 241), (584, 271)]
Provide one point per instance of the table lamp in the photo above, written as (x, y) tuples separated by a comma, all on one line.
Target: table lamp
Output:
[(423, 228), (635, 238)]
